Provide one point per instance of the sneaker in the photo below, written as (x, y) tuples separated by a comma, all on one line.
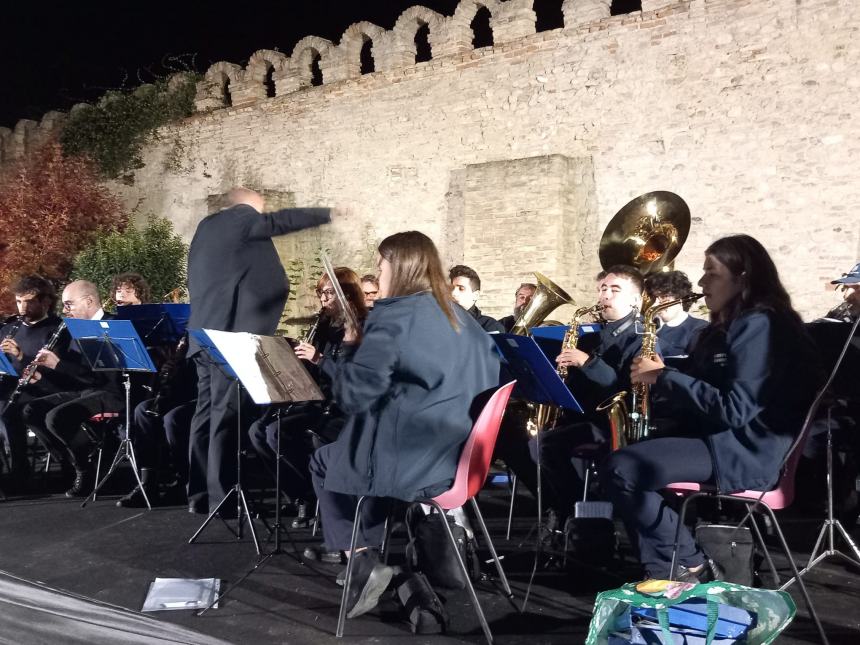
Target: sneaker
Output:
[(370, 579)]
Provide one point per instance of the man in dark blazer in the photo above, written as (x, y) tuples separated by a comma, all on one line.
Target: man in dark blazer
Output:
[(236, 283)]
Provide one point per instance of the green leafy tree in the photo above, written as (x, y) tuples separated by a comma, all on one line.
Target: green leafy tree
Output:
[(154, 251)]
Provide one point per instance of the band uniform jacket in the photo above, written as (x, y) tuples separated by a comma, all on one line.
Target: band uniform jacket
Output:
[(236, 281), (742, 394), (407, 390)]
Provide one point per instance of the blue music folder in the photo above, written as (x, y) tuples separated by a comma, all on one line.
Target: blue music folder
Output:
[(550, 338), (215, 354), (6, 368), (161, 323), (537, 380), (110, 345)]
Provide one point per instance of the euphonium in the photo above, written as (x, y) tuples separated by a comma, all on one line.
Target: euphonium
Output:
[(640, 405)]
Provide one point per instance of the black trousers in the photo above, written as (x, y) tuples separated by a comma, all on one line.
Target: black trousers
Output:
[(151, 432), (632, 479), (14, 432), (298, 426), (56, 420), (337, 510), (212, 439)]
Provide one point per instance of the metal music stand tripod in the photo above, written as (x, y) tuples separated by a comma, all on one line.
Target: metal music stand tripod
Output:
[(6, 369), (271, 373), (537, 382), (832, 524), (114, 346)]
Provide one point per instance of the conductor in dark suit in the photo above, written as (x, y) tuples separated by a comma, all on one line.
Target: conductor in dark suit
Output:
[(236, 283)]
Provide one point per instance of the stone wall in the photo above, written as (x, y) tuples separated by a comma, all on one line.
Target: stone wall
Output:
[(514, 157)]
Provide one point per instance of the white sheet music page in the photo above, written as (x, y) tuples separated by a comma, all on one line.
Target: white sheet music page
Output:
[(240, 348)]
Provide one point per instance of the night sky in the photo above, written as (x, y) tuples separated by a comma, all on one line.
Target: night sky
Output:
[(57, 53)]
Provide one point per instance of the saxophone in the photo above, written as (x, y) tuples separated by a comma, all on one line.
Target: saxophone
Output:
[(546, 416), (640, 404)]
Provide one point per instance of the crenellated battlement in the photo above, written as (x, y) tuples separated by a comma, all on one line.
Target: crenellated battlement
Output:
[(317, 61)]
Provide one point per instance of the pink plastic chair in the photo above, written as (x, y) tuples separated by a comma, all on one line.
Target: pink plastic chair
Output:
[(471, 474), (755, 500)]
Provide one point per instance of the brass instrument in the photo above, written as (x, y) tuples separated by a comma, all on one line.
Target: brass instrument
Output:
[(647, 233), (548, 297), (32, 366), (640, 405), (546, 416)]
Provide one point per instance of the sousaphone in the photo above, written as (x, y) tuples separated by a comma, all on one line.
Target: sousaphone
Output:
[(647, 233)]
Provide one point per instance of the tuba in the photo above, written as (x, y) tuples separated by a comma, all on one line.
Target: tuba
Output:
[(647, 233)]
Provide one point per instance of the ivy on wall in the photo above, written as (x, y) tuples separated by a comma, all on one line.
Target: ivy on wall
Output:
[(113, 132)]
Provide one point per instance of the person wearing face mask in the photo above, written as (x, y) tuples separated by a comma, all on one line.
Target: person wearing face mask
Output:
[(741, 402)]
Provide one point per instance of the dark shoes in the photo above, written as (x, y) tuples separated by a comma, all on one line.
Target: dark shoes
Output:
[(300, 521), (82, 486), (201, 507), (709, 572), (321, 555), (136, 499), (370, 579)]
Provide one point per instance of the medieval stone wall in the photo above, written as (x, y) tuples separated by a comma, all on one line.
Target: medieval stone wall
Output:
[(514, 157)]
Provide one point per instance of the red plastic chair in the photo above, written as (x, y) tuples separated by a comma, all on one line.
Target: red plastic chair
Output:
[(755, 500), (471, 474)]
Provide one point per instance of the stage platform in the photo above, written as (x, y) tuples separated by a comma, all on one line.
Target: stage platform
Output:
[(110, 555)]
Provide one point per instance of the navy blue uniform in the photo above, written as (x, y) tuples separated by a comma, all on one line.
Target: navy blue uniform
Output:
[(487, 323), (407, 392), (741, 406), (677, 342)]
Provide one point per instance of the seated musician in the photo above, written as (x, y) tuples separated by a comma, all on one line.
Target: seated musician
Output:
[(162, 424), (407, 391), (522, 298), (56, 418), (130, 289), (849, 309), (370, 288), (466, 289), (22, 338), (741, 397), (678, 331), (305, 424), (597, 369)]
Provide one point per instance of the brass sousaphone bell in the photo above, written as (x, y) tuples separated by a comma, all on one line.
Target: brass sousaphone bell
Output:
[(647, 233), (548, 297)]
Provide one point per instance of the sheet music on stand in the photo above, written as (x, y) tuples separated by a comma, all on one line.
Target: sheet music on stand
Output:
[(267, 367), (110, 345)]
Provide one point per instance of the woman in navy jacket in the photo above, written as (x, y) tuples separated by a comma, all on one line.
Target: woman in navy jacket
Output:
[(408, 391), (738, 401)]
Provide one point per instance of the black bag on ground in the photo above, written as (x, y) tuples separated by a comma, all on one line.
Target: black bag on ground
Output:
[(589, 539), (423, 608), (429, 550), (732, 548)]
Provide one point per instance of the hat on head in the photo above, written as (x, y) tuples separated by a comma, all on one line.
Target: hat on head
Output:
[(852, 277)]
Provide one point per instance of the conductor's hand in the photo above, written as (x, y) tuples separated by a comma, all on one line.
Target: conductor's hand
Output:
[(571, 358), (9, 346), (646, 370), (308, 352), (47, 358)]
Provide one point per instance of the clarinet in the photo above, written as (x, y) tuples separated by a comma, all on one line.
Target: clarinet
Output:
[(169, 371), (16, 325), (32, 366)]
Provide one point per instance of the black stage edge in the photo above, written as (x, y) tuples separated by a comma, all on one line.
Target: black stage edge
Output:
[(110, 555)]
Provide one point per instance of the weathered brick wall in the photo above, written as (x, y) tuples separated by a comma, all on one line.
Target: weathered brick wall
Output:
[(514, 157)]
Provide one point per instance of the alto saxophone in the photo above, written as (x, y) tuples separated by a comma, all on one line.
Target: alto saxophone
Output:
[(546, 416), (640, 404)]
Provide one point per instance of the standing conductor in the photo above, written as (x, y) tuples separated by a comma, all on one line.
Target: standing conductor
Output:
[(236, 282)]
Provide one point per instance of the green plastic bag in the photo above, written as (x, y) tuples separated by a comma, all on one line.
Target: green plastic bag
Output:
[(774, 609)]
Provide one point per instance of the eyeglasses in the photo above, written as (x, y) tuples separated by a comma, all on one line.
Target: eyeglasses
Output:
[(327, 293), (68, 304)]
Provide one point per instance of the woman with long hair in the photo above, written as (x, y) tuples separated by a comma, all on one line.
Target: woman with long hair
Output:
[(407, 391), (738, 403), (312, 422)]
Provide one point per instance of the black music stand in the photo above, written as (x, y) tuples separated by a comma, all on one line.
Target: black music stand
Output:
[(270, 372), (6, 369), (538, 382), (114, 346)]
